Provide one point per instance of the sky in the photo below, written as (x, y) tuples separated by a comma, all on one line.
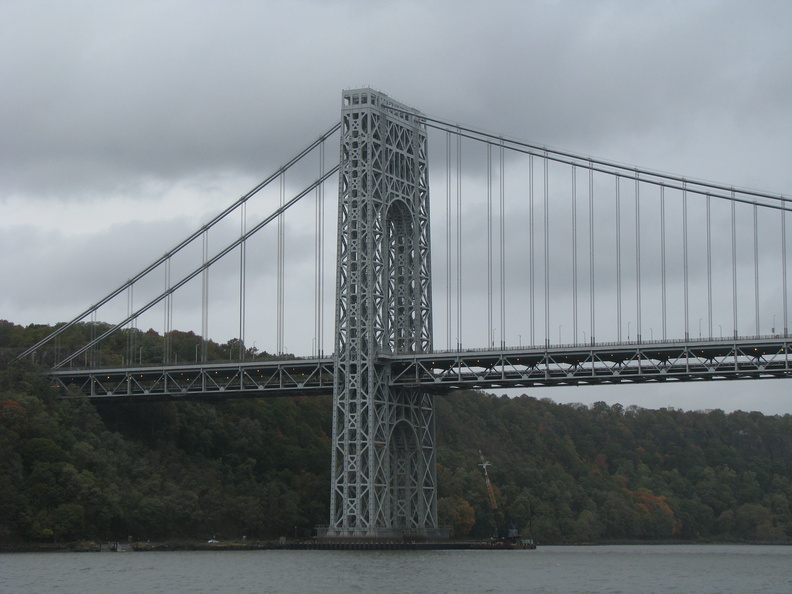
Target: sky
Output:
[(126, 126)]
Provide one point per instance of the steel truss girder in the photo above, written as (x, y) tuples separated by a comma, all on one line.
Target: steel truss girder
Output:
[(293, 377), (745, 358), (748, 358)]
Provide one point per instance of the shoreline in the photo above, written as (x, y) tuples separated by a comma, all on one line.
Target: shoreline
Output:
[(263, 545)]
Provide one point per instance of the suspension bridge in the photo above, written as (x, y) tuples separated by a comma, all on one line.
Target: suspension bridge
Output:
[(538, 267)]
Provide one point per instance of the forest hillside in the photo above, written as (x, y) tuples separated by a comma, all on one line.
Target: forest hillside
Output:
[(72, 470)]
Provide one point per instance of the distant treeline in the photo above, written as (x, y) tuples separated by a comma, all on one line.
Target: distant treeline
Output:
[(128, 346), (71, 470)]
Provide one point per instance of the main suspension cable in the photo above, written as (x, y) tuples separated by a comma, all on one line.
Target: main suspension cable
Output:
[(700, 187)]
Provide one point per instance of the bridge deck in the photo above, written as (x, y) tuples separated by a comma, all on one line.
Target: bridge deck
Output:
[(566, 365)]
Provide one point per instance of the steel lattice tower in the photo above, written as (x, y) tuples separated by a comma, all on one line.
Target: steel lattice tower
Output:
[(383, 459)]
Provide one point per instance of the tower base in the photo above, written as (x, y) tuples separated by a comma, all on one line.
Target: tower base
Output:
[(329, 534)]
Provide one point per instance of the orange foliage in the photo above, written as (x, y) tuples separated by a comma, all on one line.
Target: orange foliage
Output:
[(13, 415)]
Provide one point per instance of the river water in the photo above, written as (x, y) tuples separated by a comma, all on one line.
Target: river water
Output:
[(663, 568)]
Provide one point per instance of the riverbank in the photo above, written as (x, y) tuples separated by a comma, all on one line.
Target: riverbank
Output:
[(176, 545), (281, 544), (314, 544)]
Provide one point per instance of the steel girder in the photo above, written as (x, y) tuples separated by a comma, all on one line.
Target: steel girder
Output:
[(744, 358), (293, 377), (573, 365), (383, 460)]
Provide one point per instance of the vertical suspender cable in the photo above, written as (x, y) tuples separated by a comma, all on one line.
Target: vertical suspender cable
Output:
[(242, 279), (618, 264), (637, 258), (280, 266), (685, 258), (709, 266), (90, 356), (574, 258), (734, 263), (448, 239), (168, 311), (128, 352), (663, 260), (784, 268), (591, 250), (131, 329), (317, 276), (502, 188), (531, 260), (320, 345), (320, 341), (547, 249), (756, 263), (318, 349), (134, 326), (205, 296), (490, 331), (459, 237), (170, 315)]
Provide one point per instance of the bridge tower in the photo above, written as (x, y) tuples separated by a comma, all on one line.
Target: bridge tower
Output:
[(383, 482)]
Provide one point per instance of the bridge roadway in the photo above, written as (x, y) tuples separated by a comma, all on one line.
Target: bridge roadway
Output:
[(443, 371)]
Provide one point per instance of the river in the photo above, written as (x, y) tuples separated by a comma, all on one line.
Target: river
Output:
[(624, 568)]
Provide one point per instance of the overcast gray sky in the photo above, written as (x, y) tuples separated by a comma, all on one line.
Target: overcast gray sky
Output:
[(126, 125)]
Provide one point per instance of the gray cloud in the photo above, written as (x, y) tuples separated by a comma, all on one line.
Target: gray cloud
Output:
[(126, 126)]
